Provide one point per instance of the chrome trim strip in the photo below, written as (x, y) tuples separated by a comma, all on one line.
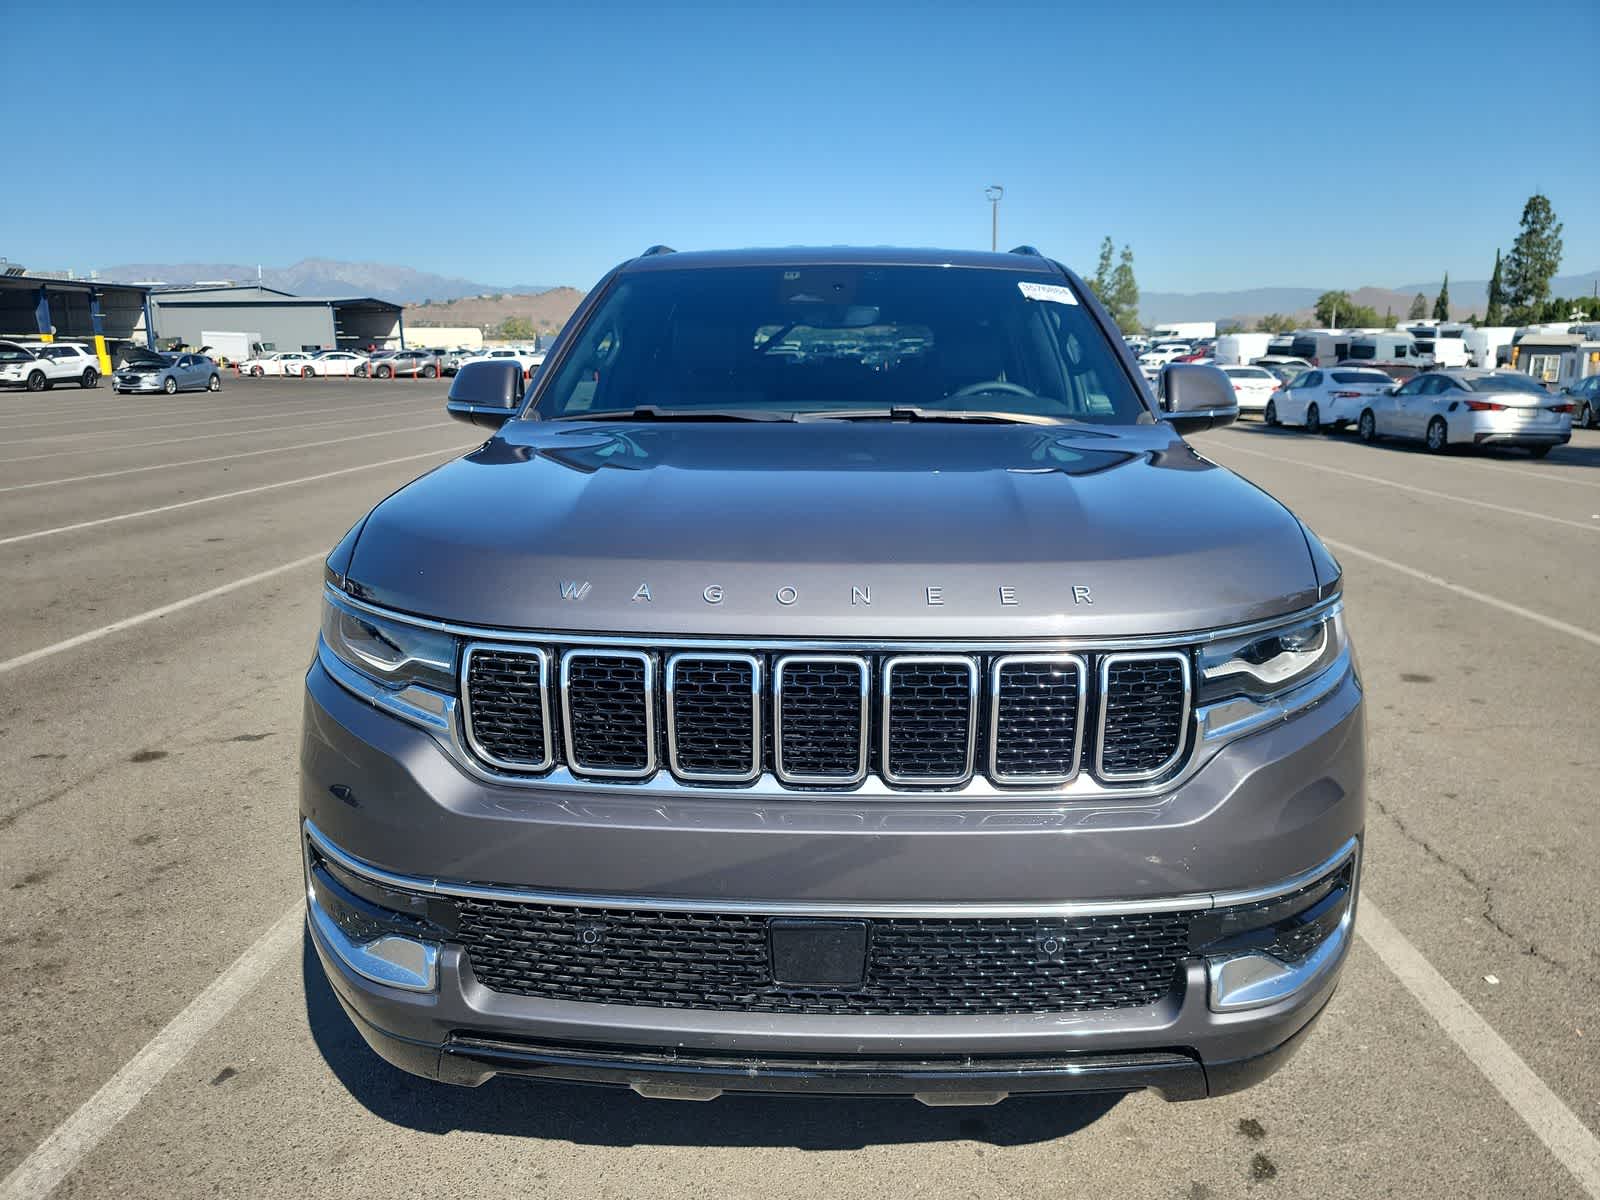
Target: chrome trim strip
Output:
[(1107, 661), (1076, 661), (433, 711), (889, 665), (864, 748), (754, 772), (472, 648), (1193, 902), (577, 767), (409, 964), (847, 645)]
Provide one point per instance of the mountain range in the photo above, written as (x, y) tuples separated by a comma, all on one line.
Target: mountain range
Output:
[(321, 277), (1467, 296)]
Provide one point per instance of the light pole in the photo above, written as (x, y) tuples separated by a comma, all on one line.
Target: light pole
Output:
[(993, 193)]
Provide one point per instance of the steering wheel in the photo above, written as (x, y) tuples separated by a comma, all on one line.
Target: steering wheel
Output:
[(991, 385)]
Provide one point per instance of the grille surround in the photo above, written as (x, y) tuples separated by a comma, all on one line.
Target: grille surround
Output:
[(475, 650), (791, 662), (887, 743), (1108, 663), (648, 696), (997, 693), (675, 663)]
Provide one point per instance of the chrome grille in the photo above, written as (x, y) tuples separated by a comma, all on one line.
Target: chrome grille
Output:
[(825, 720), (930, 708), (1144, 714), (714, 716), (609, 705)]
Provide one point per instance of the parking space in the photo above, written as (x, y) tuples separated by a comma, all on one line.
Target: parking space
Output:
[(162, 556)]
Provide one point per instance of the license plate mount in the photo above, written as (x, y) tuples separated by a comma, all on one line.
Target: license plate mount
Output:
[(817, 953)]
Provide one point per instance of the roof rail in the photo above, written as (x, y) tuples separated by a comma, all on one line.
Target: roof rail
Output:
[(658, 250), (1025, 249)]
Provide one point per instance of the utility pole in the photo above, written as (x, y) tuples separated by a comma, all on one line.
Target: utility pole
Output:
[(993, 193)]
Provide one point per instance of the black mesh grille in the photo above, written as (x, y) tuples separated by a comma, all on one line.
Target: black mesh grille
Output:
[(1145, 706), (504, 703), (820, 718), (714, 726), (608, 713), (1036, 725), (914, 967), (930, 713)]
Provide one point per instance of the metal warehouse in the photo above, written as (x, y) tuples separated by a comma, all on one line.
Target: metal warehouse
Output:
[(277, 320), (108, 316)]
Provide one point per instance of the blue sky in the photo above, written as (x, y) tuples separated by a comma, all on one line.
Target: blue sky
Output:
[(1230, 145)]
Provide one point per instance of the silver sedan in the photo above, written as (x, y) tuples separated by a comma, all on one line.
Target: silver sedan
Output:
[(1470, 408), (178, 373)]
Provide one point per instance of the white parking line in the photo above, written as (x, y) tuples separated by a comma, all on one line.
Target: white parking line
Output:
[(194, 462), (100, 429), (54, 1158), (154, 614), (1586, 526), (292, 426), (1538, 618), (249, 491), (1552, 1122)]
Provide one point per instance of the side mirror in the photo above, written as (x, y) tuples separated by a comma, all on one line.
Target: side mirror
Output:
[(1196, 397), (486, 393)]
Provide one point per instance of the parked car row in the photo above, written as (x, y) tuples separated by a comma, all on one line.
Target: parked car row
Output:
[(1442, 408)]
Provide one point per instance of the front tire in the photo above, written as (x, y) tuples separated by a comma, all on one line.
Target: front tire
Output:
[(256, 372), (1313, 420), (36, 381), (430, 372), (361, 372), (1367, 426), (169, 385), (307, 373), (90, 378), (1271, 415), (1438, 437), (214, 384), (1585, 417), (385, 372)]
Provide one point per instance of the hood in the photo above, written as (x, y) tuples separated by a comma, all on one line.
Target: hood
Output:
[(836, 530)]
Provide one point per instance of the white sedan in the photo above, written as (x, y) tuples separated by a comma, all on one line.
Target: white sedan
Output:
[(530, 359), (334, 362), (1325, 397), (1470, 408), (1252, 386), (286, 362)]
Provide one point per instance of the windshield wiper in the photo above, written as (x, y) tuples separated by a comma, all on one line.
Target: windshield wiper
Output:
[(651, 412), (931, 415)]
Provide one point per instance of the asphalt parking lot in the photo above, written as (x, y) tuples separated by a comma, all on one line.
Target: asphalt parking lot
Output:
[(167, 1033)]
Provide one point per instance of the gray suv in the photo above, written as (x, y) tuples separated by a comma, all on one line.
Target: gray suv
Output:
[(835, 674)]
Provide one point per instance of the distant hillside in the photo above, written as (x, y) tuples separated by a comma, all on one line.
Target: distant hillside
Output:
[(1467, 296), (319, 277), (547, 310)]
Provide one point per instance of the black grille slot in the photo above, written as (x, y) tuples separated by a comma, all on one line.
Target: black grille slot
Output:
[(506, 706), (821, 719), (714, 728), (1146, 710), (914, 966), (1037, 710), (928, 707), (610, 721)]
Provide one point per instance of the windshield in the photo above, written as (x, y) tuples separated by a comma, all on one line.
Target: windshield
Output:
[(776, 341), (1505, 383), (13, 353)]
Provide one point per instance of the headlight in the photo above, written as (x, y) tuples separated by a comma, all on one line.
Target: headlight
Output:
[(395, 654), (1261, 666)]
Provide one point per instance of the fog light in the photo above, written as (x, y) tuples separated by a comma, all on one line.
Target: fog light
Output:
[(385, 947), (1259, 954)]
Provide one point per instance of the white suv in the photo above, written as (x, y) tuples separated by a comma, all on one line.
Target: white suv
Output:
[(53, 363)]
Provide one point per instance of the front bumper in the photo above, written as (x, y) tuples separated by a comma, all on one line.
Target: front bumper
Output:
[(138, 385), (1271, 806)]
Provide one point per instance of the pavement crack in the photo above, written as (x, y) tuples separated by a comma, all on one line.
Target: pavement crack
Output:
[(1486, 892)]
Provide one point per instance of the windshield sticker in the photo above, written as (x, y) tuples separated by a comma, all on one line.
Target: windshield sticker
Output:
[(1053, 292)]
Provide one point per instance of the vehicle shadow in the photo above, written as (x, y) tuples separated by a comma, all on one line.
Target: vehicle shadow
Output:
[(600, 1116), (1582, 451)]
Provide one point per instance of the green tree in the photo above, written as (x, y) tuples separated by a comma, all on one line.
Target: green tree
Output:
[(1534, 259), (1388, 317), (1101, 283), (1359, 316), (1494, 314), (1225, 327), (513, 329), (1275, 323), (1418, 309), (1124, 296), (1332, 308), (1441, 305)]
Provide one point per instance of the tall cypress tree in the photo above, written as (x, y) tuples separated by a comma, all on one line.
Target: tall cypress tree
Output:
[(1535, 256), (1493, 315), (1441, 306), (1419, 308)]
